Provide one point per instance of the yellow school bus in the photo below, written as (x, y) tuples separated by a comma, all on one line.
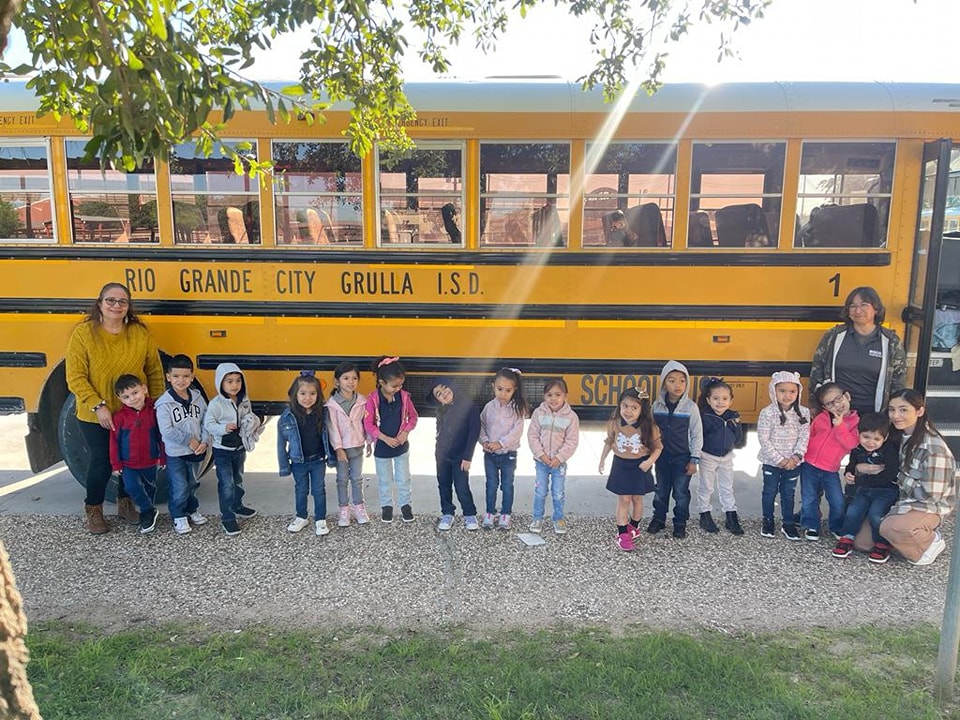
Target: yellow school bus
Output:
[(532, 226)]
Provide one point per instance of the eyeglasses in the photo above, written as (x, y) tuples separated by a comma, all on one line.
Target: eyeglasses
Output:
[(835, 402), (857, 307), (122, 302)]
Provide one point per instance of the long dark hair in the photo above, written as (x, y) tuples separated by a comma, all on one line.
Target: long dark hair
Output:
[(923, 427), (644, 425), (295, 407), (518, 402), (94, 314)]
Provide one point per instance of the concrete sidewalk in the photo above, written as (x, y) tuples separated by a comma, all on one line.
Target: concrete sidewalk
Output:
[(56, 492)]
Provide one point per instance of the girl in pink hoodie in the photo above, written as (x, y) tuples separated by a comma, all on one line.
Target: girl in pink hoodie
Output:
[(833, 434), (553, 436)]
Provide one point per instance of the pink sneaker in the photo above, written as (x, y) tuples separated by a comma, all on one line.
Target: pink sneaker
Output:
[(360, 513), (343, 517), (625, 541)]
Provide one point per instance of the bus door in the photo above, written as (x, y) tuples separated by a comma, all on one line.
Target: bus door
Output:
[(932, 315)]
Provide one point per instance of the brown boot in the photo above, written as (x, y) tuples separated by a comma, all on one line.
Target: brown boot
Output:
[(96, 523), (126, 510)]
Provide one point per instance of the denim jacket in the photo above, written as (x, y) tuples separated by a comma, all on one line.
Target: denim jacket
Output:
[(289, 448)]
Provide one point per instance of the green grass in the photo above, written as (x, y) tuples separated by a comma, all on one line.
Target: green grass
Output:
[(262, 674)]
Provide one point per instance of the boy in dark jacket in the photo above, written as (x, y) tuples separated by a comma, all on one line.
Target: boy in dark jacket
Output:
[(135, 447), (458, 430)]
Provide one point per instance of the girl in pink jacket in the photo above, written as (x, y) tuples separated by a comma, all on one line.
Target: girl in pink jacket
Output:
[(833, 434), (553, 436), (345, 409)]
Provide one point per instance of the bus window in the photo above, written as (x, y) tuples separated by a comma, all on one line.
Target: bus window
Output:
[(629, 195), (736, 194), (318, 190), (421, 193), (110, 206), (844, 194), (524, 194), (211, 202), (26, 210)]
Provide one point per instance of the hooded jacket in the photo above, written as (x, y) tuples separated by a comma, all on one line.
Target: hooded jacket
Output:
[(681, 429), (458, 425), (223, 411), (780, 441), (554, 434), (180, 423)]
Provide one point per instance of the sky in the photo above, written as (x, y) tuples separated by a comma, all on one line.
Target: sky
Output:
[(855, 40)]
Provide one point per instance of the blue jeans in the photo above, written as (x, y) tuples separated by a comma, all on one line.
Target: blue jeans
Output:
[(813, 480), (672, 478), (308, 480), (182, 477), (350, 470), (450, 477), (141, 486), (552, 479), (500, 470), (229, 464), (777, 479), (394, 472), (870, 503)]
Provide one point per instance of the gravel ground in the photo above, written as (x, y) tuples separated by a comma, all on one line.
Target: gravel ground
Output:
[(411, 577)]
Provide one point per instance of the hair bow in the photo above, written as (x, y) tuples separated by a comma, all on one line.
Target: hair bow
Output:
[(516, 370), (308, 373), (387, 361)]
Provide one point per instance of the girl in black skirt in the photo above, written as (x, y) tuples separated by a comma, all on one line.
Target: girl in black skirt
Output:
[(633, 437)]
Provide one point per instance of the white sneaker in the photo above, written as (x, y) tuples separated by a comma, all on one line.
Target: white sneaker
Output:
[(470, 521), (297, 524), (446, 522), (932, 552), (536, 526), (322, 528), (196, 518), (181, 526)]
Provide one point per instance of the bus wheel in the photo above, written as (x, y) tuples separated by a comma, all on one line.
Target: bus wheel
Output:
[(76, 454)]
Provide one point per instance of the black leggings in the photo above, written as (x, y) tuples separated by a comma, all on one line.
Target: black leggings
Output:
[(99, 470)]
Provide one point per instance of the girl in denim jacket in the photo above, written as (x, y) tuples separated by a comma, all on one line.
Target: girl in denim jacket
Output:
[(302, 450)]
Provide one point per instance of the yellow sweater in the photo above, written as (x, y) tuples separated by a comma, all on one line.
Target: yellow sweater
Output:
[(96, 358)]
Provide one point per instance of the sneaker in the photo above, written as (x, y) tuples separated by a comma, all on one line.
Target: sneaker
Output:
[(230, 527), (560, 526), (196, 518), (504, 523), (386, 514), (148, 521), (679, 531), (488, 521), (844, 547), (536, 526), (768, 530), (360, 514), (181, 526), (655, 526), (932, 552), (811, 534), (470, 522), (343, 517), (406, 513), (707, 524), (245, 513), (791, 533), (880, 553), (297, 524), (321, 527), (625, 541), (446, 522), (836, 536), (732, 523), (634, 531)]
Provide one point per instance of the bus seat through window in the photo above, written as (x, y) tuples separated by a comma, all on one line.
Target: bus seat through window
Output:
[(842, 226), (646, 222), (742, 226), (699, 233)]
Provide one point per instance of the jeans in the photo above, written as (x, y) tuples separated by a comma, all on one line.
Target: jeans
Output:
[(812, 481), (672, 478), (182, 478), (394, 472), (141, 485), (99, 469), (308, 479), (500, 470), (777, 479), (229, 464), (350, 470), (450, 477), (870, 503), (552, 479)]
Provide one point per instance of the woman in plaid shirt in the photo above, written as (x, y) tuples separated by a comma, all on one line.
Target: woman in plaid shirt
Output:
[(927, 481)]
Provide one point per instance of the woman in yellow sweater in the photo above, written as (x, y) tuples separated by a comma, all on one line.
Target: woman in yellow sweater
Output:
[(110, 342)]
